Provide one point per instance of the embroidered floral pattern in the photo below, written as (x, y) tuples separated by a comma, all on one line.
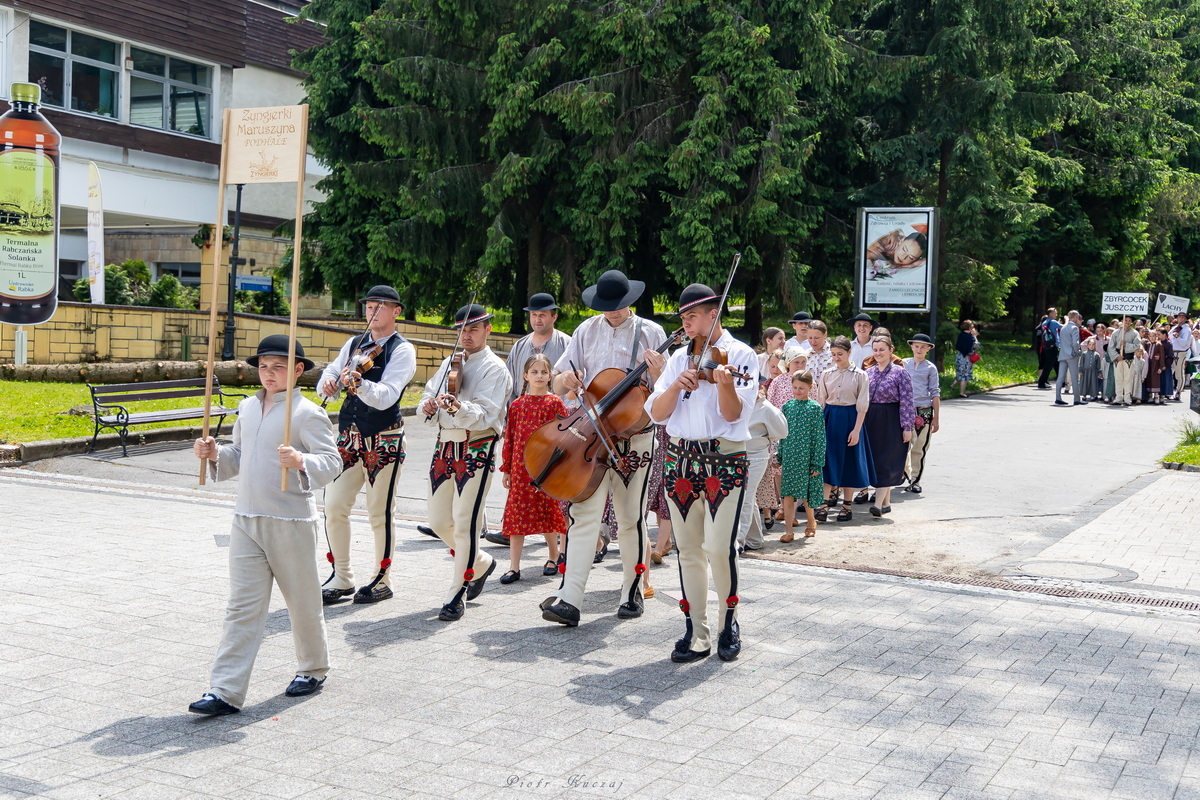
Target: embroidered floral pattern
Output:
[(629, 461), (460, 460), (691, 479), (375, 452)]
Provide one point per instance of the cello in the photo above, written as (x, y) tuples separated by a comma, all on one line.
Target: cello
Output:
[(566, 458)]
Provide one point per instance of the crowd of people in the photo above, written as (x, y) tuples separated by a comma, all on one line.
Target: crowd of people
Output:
[(1122, 363), (730, 441)]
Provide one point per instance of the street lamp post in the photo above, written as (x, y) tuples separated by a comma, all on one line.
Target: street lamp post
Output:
[(234, 261)]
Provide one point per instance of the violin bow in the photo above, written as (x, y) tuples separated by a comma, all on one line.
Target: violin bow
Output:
[(457, 344), (737, 258), (590, 413)]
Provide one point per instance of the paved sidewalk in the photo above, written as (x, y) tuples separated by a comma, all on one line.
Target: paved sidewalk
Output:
[(850, 685), (1152, 532)]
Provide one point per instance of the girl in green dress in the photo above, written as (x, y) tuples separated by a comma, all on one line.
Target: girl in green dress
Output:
[(802, 455)]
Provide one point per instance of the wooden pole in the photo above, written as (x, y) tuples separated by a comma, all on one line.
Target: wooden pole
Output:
[(218, 246), (297, 238)]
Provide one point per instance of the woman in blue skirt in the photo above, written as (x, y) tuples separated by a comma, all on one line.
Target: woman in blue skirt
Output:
[(843, 392)]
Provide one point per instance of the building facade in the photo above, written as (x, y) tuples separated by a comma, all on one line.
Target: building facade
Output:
[(139, 87)]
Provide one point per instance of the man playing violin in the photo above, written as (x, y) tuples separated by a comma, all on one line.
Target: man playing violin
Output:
[(467, 399), (370, 439), (706, 407), (617, 338)]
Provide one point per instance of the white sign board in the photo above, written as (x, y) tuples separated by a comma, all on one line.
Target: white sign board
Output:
[(264, 144), (895, 259), (95, 235), (1171, 305), (1134, 304)]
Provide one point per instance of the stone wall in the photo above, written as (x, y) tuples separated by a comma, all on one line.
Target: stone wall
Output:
[(80, 332)]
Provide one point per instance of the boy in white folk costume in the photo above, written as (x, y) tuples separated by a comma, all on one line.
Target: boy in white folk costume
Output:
[(706, 470), (274, 537), (470, 425)]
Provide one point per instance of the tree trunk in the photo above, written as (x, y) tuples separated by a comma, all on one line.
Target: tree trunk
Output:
[(754, 308), (536, 279), (943, 197), (518, 300)]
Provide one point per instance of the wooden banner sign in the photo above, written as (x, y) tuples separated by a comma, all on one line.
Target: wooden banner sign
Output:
[(265, 145), (260, 145)]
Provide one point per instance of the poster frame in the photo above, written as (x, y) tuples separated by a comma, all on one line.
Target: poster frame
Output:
[(860, 259)]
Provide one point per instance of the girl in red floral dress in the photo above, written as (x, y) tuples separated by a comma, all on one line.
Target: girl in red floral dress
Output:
[(530, 511)]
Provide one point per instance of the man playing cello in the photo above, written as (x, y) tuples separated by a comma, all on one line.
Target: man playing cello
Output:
[(617, 338)]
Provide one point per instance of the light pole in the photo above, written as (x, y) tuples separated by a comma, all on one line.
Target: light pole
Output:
[(234, 261)]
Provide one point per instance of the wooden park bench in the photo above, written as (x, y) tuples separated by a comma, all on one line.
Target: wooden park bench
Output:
[(117, 397)]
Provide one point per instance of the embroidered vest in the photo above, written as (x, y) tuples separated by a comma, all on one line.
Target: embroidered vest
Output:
[(371, 421)]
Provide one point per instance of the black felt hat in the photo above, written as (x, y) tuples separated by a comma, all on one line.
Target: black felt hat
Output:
[(469, 315), (801, 316), (541, 302), (862, 316), (696, 294), (921, 338), (382, 294), (277, 345), (612, 292)]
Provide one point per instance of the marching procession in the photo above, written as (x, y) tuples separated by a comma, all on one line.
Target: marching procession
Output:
[(591, 432)]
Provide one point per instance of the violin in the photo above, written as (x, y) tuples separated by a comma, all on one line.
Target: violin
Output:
[(706, 359), (362, 362), (454, 377)]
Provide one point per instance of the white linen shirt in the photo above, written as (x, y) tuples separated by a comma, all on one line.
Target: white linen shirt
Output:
[(596, 346), (860, 352), (794, 342), (699, 416), (398, 373), (1181, 341), (482, 397), (254, 455)]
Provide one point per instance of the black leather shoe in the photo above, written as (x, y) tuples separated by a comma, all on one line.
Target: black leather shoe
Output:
[(688, 656), (365, 595), (562, 613), (876, 511), (302, 685), (730, 644), (633, 609), (212, 706), (512, 576), (549, 568), (452, 611), (428, 531), (475, 587), (333, 595), (496, 538), (600, 554)]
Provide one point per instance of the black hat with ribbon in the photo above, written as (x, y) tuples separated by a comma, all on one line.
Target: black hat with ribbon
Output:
[(862, 316), (382, 294), (697, 294), (612, 292), (801, 316), (277, 345), (921, 338), (541, 302), (469, 315)]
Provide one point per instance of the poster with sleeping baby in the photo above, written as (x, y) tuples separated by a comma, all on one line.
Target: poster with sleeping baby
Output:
[(894, 265)]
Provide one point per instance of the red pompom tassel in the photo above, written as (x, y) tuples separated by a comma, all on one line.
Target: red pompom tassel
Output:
[(683, 606), (330, 557), (562, 568), (387, 562), (469, 575), (639, 569), (452, 552), (732, 601)]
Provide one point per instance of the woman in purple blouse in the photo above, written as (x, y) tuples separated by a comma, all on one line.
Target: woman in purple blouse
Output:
[(889, 423)]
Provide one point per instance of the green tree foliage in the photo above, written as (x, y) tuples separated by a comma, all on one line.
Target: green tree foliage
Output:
[(166, 293), (516, 146)]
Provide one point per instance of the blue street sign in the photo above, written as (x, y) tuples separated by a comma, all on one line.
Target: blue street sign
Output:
[(254, 283)]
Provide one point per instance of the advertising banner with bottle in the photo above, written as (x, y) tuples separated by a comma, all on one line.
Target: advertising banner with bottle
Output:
[(29, 164), (95, 235)]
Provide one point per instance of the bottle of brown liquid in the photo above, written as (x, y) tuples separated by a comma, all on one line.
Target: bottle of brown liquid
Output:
[(29, 153)]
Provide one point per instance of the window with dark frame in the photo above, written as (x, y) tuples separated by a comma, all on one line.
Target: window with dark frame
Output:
[(188, 272), (82, 72), (75, 70)]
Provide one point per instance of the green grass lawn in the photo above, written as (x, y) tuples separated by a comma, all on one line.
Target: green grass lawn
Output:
[(36, 411), (1002, 362), (1188, 449)]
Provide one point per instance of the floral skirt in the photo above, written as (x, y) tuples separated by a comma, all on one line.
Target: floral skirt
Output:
[(964, 370)]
